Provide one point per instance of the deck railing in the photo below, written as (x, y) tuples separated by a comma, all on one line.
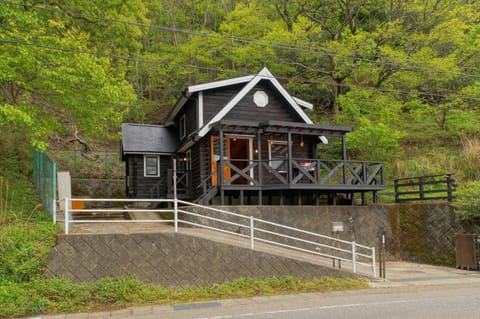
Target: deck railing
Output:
[(303, 171), (254, 229)]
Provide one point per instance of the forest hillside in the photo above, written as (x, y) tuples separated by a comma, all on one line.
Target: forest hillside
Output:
[(404, 74)]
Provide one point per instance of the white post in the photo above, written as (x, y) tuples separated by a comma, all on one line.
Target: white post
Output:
[(252, 235), (175, 200), (374, 266), (66, 215), (354, 258), (54, 208)]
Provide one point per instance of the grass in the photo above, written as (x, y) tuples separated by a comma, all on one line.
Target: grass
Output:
[(57, 295), (463, 161), (27, 235)]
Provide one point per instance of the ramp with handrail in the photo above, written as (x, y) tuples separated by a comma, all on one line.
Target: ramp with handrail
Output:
[(248, 227)]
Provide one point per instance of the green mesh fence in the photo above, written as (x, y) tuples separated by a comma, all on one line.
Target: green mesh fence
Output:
[(45, 179)]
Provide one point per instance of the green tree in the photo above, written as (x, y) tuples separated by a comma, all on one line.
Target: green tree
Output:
[(52, 80)]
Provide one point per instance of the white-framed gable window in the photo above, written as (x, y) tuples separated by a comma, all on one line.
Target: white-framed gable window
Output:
[(183, 126), (151, 165)]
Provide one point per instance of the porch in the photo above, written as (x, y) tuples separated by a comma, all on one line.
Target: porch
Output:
[(276, 162), (295, 181)]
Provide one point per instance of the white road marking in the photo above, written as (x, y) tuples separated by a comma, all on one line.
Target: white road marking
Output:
[(251, 314)]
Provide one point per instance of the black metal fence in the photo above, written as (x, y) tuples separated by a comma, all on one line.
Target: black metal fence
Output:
[(432, 187)]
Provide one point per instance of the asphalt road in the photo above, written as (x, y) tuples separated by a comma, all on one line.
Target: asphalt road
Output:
[(450, 301), (413, 291)]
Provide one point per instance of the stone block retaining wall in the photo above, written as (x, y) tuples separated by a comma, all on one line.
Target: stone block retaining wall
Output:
[(170, 259)]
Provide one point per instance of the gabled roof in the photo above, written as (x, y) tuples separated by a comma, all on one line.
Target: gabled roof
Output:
[(263, 75), (250, 81), (141, 139)]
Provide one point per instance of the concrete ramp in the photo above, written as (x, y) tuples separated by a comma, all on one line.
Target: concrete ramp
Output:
[(175, 259)]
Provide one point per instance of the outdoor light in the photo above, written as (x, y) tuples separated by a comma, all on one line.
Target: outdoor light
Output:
[(302, 144)]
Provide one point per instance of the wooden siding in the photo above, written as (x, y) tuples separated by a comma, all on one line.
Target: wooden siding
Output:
[(191, 119), (277, 108), (140, 186), (196, 171), (215, 100)]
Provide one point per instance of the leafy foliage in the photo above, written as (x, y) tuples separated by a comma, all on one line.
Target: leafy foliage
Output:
[(468, 201), (23, 250)]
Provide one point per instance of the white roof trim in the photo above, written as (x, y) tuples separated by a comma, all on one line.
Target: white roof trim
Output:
[(303, 103), (263, 75), (218, 84), (202, 87)]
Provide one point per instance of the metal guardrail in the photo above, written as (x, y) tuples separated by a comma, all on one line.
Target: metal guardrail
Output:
[(252, 228)]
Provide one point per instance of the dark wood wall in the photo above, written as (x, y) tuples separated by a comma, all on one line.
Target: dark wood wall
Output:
[(140, 186), (277, 108), (190, 111), (215, 100)]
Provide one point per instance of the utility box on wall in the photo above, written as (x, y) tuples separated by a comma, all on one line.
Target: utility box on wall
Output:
[(467, 249)]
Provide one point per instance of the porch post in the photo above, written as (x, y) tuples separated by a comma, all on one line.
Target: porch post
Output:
[(289, 157), (220, 166), (260, 168), (259, 157), (220, 169)]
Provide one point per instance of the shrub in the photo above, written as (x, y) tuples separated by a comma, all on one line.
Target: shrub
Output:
[(24, 249), (467, 202)]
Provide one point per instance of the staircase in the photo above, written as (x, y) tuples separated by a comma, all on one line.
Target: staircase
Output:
[(205, 198)]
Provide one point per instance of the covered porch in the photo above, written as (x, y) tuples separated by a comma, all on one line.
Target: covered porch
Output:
[(277, 162)]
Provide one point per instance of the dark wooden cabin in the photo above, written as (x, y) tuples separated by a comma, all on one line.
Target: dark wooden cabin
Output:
[(243, 141)]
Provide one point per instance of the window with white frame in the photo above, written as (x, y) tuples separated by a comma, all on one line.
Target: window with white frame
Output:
[(151, 165), (183, 126)]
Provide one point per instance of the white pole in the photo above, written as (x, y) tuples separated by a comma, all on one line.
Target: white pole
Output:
[(374, 266), (175, 200), (252, 235), (66, 215), (54, 209), (354, 258)]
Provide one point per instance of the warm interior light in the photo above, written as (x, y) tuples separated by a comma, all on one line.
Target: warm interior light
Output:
[(302, 144)]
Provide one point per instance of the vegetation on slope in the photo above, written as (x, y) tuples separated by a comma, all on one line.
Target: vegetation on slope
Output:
[(404, 74)]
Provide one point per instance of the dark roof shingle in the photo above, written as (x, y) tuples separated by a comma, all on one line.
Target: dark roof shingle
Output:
[(141, 138)]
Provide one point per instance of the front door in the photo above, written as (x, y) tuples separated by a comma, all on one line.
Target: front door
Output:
[(240, 157), (238, 150)]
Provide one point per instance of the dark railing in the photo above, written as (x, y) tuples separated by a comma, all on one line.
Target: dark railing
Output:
[(303, 171), (432, 187), (184, 184)]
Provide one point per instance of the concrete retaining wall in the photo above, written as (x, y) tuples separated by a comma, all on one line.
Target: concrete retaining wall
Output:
[(98, 188), (415, 232), (170, 259)]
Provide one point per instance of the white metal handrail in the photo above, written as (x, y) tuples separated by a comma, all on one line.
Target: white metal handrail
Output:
[(339, 248)]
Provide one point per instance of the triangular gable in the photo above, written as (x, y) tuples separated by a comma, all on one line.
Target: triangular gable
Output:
[(262, 75)]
